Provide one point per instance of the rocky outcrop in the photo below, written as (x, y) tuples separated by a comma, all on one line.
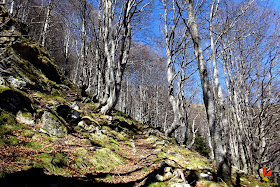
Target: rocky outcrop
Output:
[(14, 101), (53, 125)]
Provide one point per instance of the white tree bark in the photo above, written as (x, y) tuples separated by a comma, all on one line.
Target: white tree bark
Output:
[(46, 24), (223, 167)]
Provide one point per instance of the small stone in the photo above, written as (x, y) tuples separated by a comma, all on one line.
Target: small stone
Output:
[(186, 162), (205, 176), (171, 152), (82, 124), (75, 105), (157, 150), (159, 177), (167, 169), (180, 185), (168, 175), (159, 143)]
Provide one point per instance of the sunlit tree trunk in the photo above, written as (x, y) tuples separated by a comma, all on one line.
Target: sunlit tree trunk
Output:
[(223, 166)]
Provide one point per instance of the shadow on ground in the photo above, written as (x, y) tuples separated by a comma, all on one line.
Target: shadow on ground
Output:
[(36, 177)]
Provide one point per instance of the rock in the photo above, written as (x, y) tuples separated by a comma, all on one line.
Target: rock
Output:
[(186, 162), (180, 185), (16, 82), (205, 176), (75, 114), (82, 124), (99, 132), (157, 150), (167, 169), (13, 101), (25, 118), (64, 111), (53, 125), (88, 120), (68, 114), (75, 105), (133, 146), (171, 152), (168, 175), (159, 143), (159, 177)]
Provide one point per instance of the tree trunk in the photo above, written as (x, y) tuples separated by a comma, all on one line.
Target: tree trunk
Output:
[(223, 166), (46, 25)]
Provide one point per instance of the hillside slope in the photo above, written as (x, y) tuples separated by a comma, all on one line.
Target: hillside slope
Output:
[(52, 136)]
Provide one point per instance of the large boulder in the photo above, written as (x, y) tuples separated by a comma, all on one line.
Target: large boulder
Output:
[(53, 125), (13, 101), (70, 115)]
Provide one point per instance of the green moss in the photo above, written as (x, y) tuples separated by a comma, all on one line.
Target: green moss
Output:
[(109, 178), (7, 118), (59, 159), (27, 133), (105, 160), (77, 128), (13, 141), (33, 145), (80, 151), (6, 171), (120, 136), (8, 123), (3, 88), (27, 114), (52, 163), (3, 142), (48, 148), (81, 164), (158, 184), (38, 136), (44, 157), (99, 141), (114, 145), (86, 141), (52, 139)]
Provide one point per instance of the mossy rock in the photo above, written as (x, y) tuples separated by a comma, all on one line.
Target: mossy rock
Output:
[(98, 141), (106, 160), (33, 145), (13, 140), (3, 88), (80, 151), (114, 146), (36, 55), (27, 133), (53, 125), (8, 123), (25, 118), (158, 184)]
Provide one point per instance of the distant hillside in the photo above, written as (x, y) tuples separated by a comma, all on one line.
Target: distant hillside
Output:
[(52, 136)]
